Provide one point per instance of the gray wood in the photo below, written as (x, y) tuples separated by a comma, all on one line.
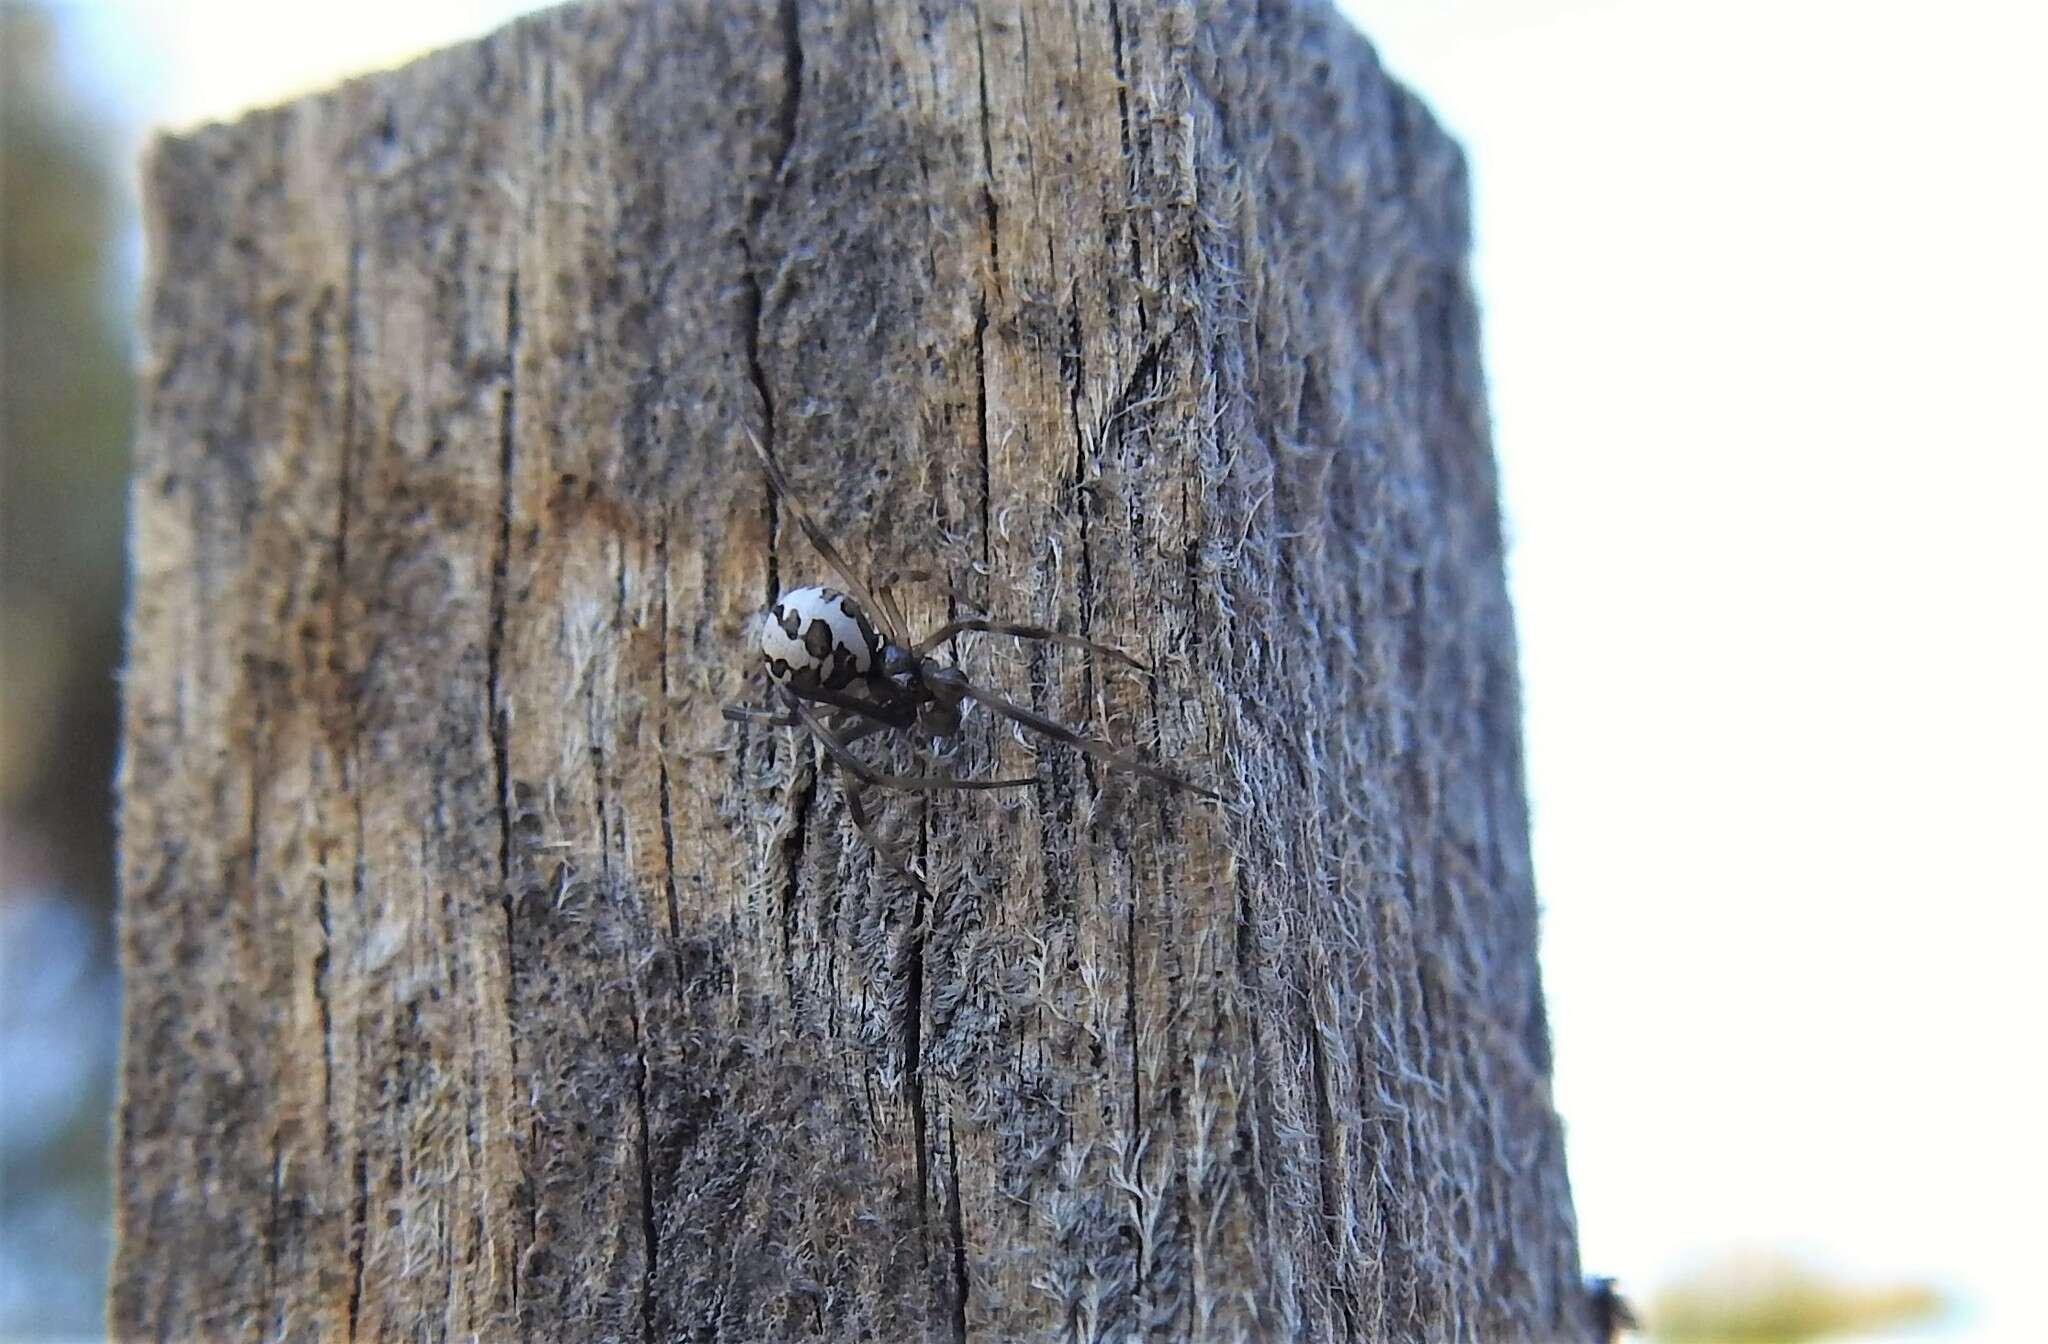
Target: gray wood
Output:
[(482, 981)]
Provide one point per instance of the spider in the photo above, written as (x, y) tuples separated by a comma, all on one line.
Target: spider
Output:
[(1612, 1315), (843, 675)]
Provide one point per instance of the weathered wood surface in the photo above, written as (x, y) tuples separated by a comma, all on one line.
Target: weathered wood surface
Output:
[(483, 982)]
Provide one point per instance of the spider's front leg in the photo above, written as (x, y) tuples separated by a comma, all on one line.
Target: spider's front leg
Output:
[(1033, 632), (847, 573), (889, 581)]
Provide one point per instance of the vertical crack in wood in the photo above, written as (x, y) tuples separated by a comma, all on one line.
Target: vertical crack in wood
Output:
[(668, 824), (258, 760), (508, 412), (770, 508), (990, 221), (270, 1240), (981, 419), (956, 1217), (913, 1074), (988, 153), (597, 780), (1123, 111), (258, 763), (750, 294), (320, 1003), (1084, 574), (500, 726), (336, 626), (546, 119), (1137, 1135), (1074, 370), (752, 301), (359, 1223), (600, 785), (995, 264), (805, 792), (792, 80), (650, 1237), (750, 279)]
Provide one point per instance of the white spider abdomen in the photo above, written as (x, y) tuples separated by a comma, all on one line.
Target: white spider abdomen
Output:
[(818, 637)]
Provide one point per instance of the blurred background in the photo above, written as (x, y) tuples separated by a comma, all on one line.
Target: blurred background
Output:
[(1764, 292)]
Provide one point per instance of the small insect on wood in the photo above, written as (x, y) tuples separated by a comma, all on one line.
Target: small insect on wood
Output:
[(846, 667)]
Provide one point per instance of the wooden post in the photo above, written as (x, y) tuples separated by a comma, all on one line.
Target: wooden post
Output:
[(483, 982)]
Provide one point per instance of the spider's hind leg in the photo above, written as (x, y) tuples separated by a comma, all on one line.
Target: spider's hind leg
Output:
[(777, 718), (835, 747), (886, 852)]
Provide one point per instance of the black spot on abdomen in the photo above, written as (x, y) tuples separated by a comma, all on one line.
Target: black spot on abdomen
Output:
[(843, 669)]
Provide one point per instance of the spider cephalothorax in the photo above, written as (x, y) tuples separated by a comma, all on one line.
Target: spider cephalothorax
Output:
[(846, 667)]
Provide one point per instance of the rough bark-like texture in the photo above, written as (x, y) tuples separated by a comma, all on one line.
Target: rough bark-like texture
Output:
[(483, 982)]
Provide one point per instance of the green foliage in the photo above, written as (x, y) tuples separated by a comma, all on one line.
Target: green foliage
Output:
[(66, 407), (1770, 1299)]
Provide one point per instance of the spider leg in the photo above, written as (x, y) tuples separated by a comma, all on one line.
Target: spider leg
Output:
[(1038, 632), (884, 851), (1109, 756), (825, 548), (779, 718), (855, 734), (892, 614), (846, 760), (896, 576), (874, 722), (889, 716)]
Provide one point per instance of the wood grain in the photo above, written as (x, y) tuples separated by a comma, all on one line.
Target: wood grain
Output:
[(482, 982)]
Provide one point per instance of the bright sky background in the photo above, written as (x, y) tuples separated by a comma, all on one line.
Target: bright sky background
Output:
[(1764, 291)]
